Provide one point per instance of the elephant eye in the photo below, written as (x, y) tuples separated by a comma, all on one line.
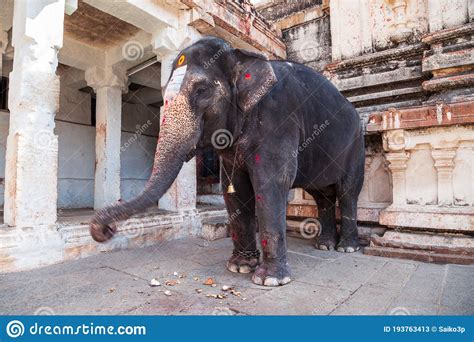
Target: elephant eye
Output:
[(202, 91)]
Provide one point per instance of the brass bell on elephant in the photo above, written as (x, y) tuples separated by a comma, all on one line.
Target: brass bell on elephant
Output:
[(230, 189)]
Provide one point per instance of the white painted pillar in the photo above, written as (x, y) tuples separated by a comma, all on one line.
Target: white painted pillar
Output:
[(108, 85), (444, 165), (167, 43), (398, 165), (32, 146)]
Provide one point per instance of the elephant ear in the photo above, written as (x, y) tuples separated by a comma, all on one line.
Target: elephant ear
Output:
[(254, 78)]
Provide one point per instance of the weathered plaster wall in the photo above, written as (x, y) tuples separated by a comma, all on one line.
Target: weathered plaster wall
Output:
[(305, 30), (76, 165), (463, 173), (279, 9), (449, 13), (364, 26), (77, 157), (310, 43), (140, 126)]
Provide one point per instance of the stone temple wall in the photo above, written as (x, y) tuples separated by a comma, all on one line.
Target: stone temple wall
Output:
[(407, 66)]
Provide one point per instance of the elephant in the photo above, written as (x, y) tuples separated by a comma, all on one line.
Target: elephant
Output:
[(287, 127)]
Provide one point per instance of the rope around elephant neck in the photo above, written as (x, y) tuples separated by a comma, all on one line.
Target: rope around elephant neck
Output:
[(231, 185)]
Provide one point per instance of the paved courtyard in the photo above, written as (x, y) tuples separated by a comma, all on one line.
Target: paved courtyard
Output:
[(326, 283)]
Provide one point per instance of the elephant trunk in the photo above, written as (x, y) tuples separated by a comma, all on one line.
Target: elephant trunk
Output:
[(179, 133)]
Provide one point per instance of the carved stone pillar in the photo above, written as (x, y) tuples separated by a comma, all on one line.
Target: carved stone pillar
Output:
[(364, 193), (397, 167), (32, 147), (444, 164), (395, 142), (108, 85)]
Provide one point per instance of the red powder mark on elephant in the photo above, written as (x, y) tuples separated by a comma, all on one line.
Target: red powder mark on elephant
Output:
[(264, 243), (163, 120), (257, 158), (259, 198), (247, 76), (234, 236)]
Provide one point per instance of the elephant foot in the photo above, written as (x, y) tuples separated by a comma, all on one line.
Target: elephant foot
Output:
[(243, 261), (272, 274), (349, 245), (326, 242), (101, 232)]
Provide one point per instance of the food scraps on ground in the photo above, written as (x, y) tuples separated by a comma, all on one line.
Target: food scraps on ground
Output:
[(154, 282)]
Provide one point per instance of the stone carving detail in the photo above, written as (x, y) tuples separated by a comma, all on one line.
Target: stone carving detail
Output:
[(401, 31)]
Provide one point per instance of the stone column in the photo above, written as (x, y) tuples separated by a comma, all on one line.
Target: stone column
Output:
[(3, 47), (32, 147), (108, 85), (364, 192), (398, 166), (444, 165), (166, 44)]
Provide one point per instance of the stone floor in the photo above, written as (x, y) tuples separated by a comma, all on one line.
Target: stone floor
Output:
[(327, 283)]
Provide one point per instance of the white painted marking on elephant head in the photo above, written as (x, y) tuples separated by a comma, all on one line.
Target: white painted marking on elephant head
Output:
[(174, 84)]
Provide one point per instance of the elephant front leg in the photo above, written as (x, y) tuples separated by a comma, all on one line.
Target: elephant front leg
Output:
[(241, 210), (271, 213)]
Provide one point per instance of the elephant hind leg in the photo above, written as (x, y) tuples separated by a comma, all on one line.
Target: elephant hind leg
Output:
[(347, 194), (326, 201)]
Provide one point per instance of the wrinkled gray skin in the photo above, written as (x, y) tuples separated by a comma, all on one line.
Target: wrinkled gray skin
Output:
[(271, 108)]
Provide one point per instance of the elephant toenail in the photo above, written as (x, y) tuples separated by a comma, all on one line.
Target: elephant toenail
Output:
[(245, 269), (270, 281), (340, 249), (285, 280), (232, 267), (350, 250), (257, 280)]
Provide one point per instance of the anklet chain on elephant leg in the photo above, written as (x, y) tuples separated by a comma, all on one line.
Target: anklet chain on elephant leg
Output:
[(247, 254)]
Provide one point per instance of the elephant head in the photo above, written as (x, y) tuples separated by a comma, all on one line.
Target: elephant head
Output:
[(212, 87)]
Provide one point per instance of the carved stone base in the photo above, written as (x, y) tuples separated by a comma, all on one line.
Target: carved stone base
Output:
[(427, 247), (426, 217), (365, 212)]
